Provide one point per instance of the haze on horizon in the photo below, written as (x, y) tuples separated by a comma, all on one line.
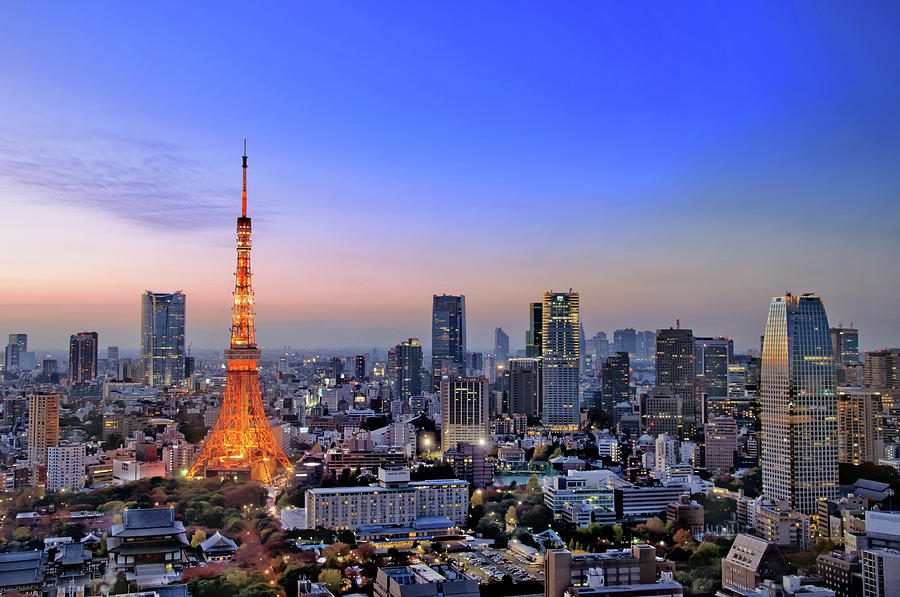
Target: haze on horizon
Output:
[(690, 161)]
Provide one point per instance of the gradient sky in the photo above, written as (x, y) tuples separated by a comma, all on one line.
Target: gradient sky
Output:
[(665, 159)]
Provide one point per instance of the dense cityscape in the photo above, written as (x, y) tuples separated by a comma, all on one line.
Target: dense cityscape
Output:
[(422, 299), (655, 463)]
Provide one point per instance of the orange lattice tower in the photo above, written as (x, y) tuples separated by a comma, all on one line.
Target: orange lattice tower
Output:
[(242, 443)]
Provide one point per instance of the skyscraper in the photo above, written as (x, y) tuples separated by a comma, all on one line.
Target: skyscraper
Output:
[(17, 344), (242, 443), (675, 370), (83, 354), (615, 381), (405, 368), (711, 359), (464, 411), (522, 386), (845, 345), (162, 338), (646, 344), (534, 333), (359, 367), (43, 425), (560, 357), (601, 345), (799, 406), (448, 337), (501, 347), (625, 340)]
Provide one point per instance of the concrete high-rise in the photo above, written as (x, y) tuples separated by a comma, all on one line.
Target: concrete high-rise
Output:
[(522, 386), (615, 382), (860, 425), (721, 442), (448, 337), (162, 338), (83, 355), (534, 333), (882, 369), (65, 467), (464, 411), (675, 370), (799, 408), (405, 368), (43, 425), (560, 360)]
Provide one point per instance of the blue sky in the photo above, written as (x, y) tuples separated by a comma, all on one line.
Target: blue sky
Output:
[(687, 160)]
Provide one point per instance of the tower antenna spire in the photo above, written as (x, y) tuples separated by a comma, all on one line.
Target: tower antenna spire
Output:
[(244, 192)]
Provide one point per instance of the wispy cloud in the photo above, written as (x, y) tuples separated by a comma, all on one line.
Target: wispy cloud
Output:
[(151, 183)]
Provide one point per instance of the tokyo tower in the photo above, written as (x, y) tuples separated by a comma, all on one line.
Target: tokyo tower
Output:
[(241, 443)]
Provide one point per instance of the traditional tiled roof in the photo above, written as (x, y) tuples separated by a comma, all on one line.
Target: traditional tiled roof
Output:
[(218, 543)]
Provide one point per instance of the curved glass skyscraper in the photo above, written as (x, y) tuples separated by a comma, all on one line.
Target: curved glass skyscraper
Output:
[(799, 404)]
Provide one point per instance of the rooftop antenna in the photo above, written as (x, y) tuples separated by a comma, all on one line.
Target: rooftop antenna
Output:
[(244, 192)]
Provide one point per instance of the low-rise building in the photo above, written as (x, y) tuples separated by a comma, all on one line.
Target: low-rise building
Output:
[(640, 502), (783, 526), (687, 513), (394, 501), (880, 572), (750, 561), (564, 571), (841, 572), (421, 580)]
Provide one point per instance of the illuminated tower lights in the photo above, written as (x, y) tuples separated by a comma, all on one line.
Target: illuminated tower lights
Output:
[(242, 439)]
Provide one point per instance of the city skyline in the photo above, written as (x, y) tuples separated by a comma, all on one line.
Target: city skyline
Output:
[(682, 146)]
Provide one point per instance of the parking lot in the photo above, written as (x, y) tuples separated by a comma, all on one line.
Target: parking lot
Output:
[(493, 564)]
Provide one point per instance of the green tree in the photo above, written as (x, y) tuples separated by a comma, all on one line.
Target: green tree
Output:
[(21, 533), (332, 578), (511, 518), (198, 538)]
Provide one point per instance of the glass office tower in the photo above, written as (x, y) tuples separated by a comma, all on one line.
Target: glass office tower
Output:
[(798, 404), (448, 338), (162, 338), (560, 356)]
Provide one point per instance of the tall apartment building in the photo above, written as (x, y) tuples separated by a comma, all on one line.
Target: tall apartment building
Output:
[(799, 407), (162, 338), (675, 370), (395, 501), (83, 355), (405, 368), (860, 425), (43, 425), (522, 386), (464, 411), (448, 337), (560, 361), (65, 467)]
